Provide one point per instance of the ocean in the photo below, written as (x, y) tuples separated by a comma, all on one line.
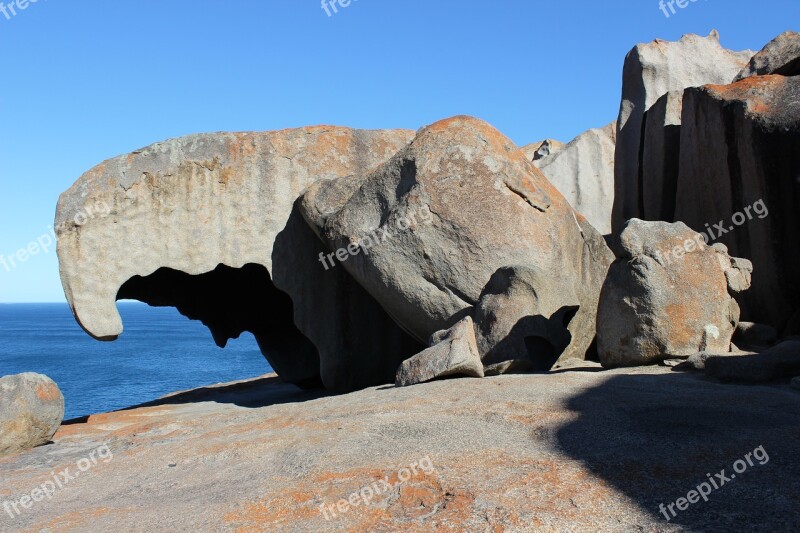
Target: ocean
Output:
[(159, 352)]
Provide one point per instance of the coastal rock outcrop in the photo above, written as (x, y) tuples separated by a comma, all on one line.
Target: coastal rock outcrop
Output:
[(31, 411), (583, 171), (454, 353), (667, 294), (650, 71), (208, 224), (432, 226)]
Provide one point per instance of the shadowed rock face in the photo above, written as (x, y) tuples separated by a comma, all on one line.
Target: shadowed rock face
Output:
[(207, 223), (460, 202), (652, 70), (740, 155)]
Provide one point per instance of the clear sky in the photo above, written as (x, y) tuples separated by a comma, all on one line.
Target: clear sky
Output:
[(83, 81)]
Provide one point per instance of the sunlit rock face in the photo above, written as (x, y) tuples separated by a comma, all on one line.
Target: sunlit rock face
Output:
[(207, 223)]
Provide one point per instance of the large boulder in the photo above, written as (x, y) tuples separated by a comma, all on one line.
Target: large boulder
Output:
[(208, 224), (31, 410), (738, 181), (454, 353), (458, 204), (583, 171), (650, 71), (780, 56), (667, 295)]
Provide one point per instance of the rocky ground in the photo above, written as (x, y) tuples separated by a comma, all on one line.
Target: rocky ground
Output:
[(575, 450)]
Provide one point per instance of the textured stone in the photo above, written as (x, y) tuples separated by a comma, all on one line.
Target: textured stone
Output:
[(539, 150), (779, 56), (573, 451), (208, 224), (455, 354), (666, 295), (652, 70), (31, 410), (796, 383), (583, 171), (781, 361), (740, 151), (460, 202)]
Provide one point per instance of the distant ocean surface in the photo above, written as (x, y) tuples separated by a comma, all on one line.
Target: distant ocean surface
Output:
[(159, 352)]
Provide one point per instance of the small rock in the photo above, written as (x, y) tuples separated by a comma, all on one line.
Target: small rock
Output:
[(780, 361), (698, 361), (752, 335), (796, 383), (456, 354), (31, 410), (515, 366), (540, 150)]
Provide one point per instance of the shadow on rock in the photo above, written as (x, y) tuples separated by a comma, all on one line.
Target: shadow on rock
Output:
[(655, 438), (253, 394)]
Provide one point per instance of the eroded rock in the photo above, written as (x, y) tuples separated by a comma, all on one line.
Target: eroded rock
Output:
[(208, 224), (455, 354), (459, 203), (667, 294), (31, 411)]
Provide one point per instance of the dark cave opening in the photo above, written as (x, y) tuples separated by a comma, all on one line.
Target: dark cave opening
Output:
[(230, 301)]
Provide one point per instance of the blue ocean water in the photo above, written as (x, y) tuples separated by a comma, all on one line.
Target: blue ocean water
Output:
[(159, 352)]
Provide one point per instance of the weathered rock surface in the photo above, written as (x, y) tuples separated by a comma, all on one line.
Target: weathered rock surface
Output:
[(207, 224), (781, 361), (459, 203), (740, 151), (667, 294), (539, 150), (513, 453), (583, 171), (454, 354), (779, 56), (31, 410), (652, 70)]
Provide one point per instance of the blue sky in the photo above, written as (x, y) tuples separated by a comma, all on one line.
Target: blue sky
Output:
[(86, 80)]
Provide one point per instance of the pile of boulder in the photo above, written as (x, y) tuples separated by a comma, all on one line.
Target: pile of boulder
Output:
[(364, 257)]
